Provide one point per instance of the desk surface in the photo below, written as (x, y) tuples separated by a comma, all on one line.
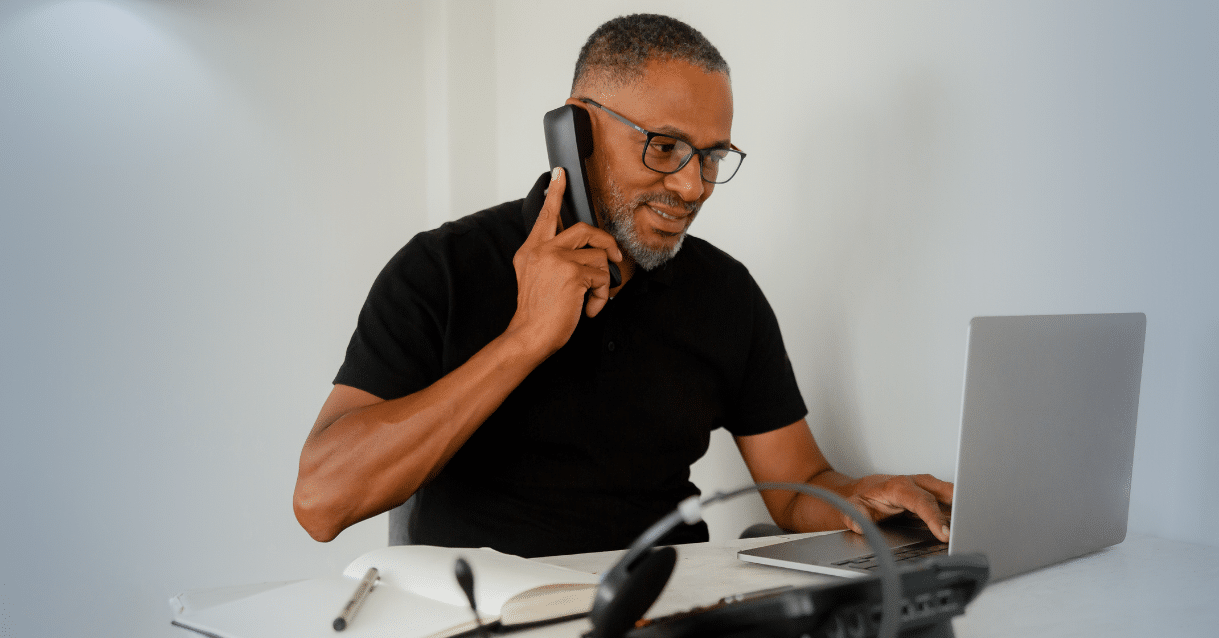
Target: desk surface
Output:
[(1146, 586)]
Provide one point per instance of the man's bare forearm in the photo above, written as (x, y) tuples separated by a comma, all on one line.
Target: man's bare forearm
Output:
[(372, 458), (806, 513)]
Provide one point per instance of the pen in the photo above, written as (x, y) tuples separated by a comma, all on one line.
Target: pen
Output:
[(357, 599)]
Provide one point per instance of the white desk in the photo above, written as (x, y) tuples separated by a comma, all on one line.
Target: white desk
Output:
[(1146, 586)]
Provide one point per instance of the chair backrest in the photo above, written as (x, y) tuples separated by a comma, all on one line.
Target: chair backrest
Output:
[(399, 523)]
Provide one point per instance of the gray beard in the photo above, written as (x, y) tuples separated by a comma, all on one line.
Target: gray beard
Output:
[(619, 217)]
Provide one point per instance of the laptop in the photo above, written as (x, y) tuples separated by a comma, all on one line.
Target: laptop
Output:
[(1044, 457)]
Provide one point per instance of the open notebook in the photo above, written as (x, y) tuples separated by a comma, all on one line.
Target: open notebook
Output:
[(417, 596)]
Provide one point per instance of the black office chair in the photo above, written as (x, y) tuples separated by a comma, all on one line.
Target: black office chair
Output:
[(758, 530), (399, 523)]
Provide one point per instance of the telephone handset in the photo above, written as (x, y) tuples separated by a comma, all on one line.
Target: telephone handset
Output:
[(569, 142)]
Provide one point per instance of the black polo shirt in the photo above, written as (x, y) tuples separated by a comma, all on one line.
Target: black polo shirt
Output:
[(596, 444)]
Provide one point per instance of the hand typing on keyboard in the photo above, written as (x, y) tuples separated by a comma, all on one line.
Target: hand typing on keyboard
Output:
[(881, 496), (790, 454)]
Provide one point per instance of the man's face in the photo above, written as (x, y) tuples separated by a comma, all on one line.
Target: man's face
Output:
[(648, 212)]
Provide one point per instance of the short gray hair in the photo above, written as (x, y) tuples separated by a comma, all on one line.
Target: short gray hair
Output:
[(618, 50)]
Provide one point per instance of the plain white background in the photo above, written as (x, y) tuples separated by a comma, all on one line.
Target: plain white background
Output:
[(195, 197)]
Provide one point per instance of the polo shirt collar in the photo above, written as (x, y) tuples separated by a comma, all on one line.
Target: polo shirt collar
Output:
[(533, 202)]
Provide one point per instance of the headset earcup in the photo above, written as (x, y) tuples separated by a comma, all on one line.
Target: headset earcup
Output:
[(624, 597)]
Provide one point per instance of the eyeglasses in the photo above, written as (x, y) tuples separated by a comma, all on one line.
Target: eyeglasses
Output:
[(667, 154)]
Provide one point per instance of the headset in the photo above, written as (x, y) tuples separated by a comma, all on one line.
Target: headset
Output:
[(630, 587)]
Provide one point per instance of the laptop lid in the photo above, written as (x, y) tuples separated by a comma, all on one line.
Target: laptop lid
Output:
[(1046, 446), (1047, 437)]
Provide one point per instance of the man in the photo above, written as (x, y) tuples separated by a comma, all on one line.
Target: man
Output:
[(496, 376)]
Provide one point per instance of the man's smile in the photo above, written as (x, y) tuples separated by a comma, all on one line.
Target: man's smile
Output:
[(663, 214), (668, 223)]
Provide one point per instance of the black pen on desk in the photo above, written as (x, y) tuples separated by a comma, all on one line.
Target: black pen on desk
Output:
[(357, 599)]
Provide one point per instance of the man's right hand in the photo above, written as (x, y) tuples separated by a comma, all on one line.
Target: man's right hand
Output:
[(555, 268)]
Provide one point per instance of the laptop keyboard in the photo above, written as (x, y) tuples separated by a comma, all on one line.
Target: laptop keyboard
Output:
[(909, 552)]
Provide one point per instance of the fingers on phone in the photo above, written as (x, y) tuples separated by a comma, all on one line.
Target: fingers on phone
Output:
[(589, 246), (605, 242), (582, 236), (548, 221)]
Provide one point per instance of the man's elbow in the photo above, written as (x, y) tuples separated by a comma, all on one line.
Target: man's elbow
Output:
[(314, 516)]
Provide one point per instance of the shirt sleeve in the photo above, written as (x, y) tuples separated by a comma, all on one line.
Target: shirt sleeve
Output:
[(397, 345), (769, 397)]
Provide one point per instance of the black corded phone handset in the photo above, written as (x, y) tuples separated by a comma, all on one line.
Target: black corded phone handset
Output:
[(569, 143)]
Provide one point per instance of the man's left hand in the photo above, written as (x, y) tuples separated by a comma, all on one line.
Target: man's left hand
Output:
[(880, 496), (790, 454)]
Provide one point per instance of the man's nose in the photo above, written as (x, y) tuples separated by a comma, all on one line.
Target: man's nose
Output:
[(688, 182)]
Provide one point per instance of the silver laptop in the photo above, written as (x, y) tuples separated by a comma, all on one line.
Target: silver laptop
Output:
[(1045, 452)]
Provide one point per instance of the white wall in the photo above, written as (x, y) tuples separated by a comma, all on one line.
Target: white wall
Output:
[(194, 198)]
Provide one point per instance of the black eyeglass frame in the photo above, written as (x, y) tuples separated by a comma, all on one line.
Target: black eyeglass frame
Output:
[(701, 152)]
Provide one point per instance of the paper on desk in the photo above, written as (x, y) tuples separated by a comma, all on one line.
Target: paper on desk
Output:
[(498, 578), (191, 602), (307, 609)]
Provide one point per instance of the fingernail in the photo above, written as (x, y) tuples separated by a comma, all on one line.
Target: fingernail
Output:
[(555, 172), (944, 530)]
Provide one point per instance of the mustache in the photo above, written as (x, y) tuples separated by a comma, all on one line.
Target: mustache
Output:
[(666, 199)]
